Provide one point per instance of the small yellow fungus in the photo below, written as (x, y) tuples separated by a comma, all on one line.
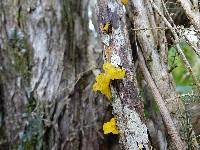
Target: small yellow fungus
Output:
[(103, 79), (124, 2), (113, 72), (110, 127), (102, 84), (106, 27)]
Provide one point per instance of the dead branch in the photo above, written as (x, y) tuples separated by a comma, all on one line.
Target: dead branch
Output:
[(177, 41), (195, 48), (161, 104)]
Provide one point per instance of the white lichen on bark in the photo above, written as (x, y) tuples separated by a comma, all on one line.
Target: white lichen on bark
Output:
[(115, 59), (133, 130), (105, 39), (127, 106)]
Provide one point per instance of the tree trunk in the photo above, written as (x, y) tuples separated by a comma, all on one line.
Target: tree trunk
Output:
[(153, 43), (46, 77), (126, 102), (48, 57)]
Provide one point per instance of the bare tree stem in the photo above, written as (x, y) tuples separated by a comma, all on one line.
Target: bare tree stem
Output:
[(163, 109), (177, 40), (195, 48)]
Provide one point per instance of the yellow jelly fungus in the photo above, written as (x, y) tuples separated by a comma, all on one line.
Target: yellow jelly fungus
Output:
[(110, 127), (103, 79), (113, 72), (124, 2), (102, 84), (106, 27)]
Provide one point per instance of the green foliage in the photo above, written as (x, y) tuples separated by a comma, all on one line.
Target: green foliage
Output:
[(184, 84), (181, 76), (31, 104)]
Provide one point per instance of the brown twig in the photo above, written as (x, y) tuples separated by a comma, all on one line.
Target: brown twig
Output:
[(196, 50), (161, 28), (161, 104), (177, 41), (156, 28)]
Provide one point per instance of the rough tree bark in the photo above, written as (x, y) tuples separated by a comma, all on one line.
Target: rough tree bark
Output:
[(46, 73), (191, 9), (153, 43), (127, 105)]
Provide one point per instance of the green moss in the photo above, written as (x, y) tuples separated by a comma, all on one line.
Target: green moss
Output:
[(177, 67), (21, 54)]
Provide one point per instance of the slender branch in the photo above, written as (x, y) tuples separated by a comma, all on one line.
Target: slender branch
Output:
[(196, 50), (156, 28), (170, 18), (161, 104), (161, 28), (177, 41), (167, 13)]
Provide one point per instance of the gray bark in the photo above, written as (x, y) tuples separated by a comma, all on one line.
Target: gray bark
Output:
[(47, 57), (153, 44), (46, 77), (127, 105)]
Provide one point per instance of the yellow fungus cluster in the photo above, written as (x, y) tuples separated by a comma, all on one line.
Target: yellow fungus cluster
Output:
[(105, 27), (124, 2), (110, 127), (102, 85), (103, 79)]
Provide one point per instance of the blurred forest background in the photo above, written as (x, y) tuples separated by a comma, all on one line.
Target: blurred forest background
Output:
[(50, 53)]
